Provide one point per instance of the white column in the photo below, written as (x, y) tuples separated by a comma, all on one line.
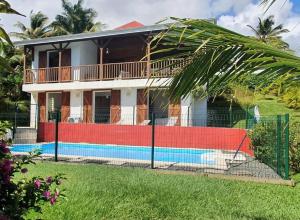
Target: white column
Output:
[(128, 106), (76, 104), (186, 116), (199, 111), (33, 109)]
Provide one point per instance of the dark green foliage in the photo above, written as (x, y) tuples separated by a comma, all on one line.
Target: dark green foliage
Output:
[(76, 19), (295, 147), (263, 142)]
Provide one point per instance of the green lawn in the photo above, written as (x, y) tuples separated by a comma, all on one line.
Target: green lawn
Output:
[(271, 105), (104, 192)]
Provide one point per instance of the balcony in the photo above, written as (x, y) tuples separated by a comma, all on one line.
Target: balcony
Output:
[(101, 72)]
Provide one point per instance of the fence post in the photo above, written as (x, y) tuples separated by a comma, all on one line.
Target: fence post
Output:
[(230, 117), (133, 116), (246, 126), (279, 142), (15, 120), (56, 135), (287, 145), (153, 141)]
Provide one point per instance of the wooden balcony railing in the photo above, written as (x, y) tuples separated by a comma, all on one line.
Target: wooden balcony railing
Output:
[(96, 72)]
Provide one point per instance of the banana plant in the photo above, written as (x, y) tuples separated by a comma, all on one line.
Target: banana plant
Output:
[(5, 8)]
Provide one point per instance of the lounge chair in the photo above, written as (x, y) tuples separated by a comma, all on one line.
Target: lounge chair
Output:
[(171, 121), (145, 122)]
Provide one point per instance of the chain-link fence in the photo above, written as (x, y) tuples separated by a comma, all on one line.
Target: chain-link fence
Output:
[(237, 143)]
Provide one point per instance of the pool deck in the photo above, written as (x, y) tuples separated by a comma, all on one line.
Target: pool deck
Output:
[(241, 165)]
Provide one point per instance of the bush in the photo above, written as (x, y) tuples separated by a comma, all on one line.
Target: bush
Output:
[(18, 197), (295, 147), (263, 142)]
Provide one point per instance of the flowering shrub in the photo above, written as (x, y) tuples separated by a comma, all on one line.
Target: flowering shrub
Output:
[(18, 197)]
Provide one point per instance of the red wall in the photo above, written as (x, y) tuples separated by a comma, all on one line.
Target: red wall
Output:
[(181, 137)]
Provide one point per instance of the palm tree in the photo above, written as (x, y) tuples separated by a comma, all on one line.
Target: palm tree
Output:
[(217, 56), (266, 32), (76, 19), (38, 27)]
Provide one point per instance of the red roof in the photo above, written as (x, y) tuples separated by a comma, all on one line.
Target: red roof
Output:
[(133, 24)]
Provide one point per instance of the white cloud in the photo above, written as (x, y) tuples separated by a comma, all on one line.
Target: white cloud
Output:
[(233, 14), (282, 12)]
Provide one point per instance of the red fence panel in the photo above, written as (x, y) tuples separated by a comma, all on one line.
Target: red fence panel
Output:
[(134, 135)]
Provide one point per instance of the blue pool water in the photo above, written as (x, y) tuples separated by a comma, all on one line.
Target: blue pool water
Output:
[(175, 155)]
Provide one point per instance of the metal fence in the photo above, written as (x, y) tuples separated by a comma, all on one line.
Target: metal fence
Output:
[(235, 143)]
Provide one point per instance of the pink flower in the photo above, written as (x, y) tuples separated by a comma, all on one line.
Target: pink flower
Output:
[(56, 194), (6, 166), (5, 150), (49, 179), (52, 200), (24, 170), (47, 194), (37, 183)]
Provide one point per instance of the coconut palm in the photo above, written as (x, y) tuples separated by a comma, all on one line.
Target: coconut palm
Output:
[(217, 56), (76, 19), (265, 31), (38, 27)]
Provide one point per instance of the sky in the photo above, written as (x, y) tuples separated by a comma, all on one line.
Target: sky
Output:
[(232, 14)]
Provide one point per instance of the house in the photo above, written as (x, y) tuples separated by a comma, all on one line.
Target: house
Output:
[(104, 77)]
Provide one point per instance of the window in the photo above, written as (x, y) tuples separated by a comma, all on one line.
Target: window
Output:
[(54, 104), (158, 103), (53, 59)]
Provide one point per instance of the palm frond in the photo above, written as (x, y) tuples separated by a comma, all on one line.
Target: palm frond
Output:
[(226, 57)]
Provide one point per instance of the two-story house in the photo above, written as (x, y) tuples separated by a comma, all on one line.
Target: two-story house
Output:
[(104, 77)]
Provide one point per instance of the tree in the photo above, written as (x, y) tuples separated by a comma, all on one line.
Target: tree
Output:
[(11, 79), (266, 32), (76, 19), (217, 56), (38, 27)]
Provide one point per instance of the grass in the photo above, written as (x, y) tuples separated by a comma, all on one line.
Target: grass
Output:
[(271, 105), (104, 192)]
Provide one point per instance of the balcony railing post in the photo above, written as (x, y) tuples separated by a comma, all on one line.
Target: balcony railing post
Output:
[(148, 60), (101, 63), (59, 65)]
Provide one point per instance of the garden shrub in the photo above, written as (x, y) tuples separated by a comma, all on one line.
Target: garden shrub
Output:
[(295, 147), (263, 142), (17, 197)]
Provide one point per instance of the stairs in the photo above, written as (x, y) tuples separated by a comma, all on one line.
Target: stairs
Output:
[(25, 135)]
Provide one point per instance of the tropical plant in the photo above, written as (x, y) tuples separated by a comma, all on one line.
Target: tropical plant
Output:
[(217, 56), (76, 19), (17, 197), (38, 27), (269, 34), (11, 78)]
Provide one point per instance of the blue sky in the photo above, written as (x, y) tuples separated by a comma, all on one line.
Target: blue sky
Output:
[(232, 14)]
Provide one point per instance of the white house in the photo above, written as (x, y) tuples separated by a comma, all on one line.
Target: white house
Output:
[(104, 77)]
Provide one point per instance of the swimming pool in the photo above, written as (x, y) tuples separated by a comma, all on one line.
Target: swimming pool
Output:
[(162, 154)]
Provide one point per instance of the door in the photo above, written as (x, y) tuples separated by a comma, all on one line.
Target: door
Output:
[(142, 105), (102, 107), (115, 106)]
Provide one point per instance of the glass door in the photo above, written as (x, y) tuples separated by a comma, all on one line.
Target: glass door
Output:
[(102, 107)]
